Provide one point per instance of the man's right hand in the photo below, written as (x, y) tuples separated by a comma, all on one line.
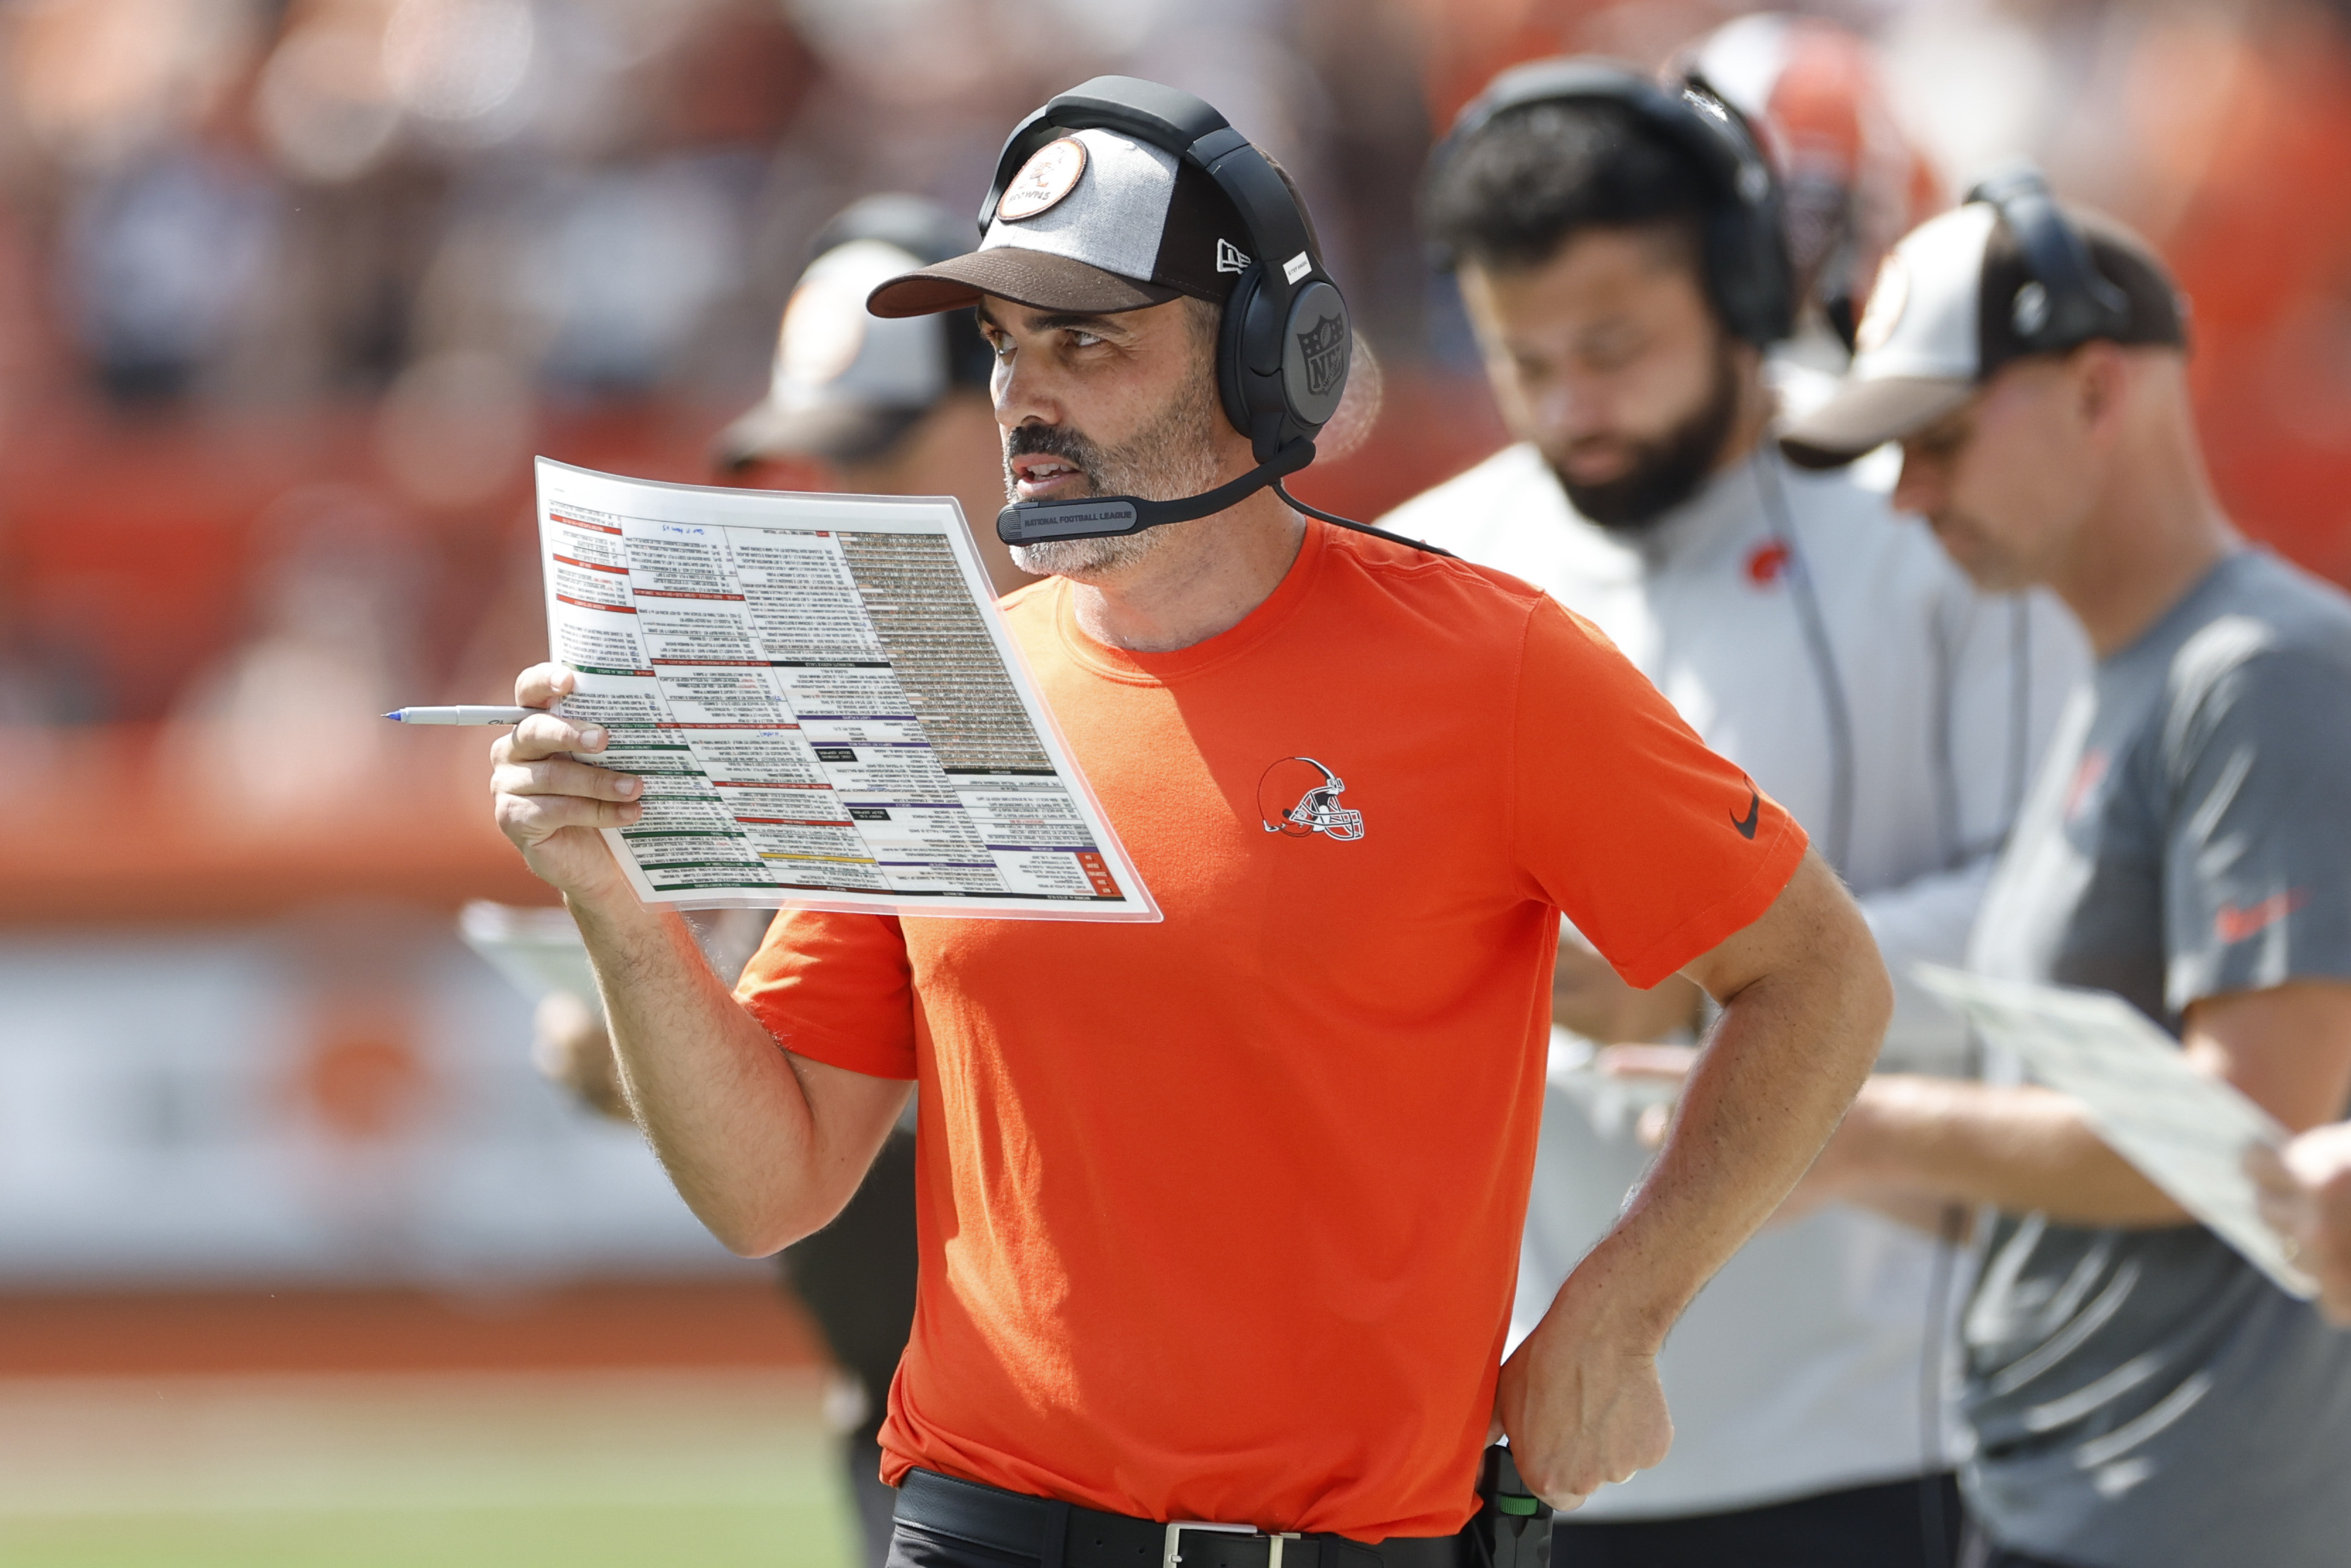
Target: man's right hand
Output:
[(550, 804)]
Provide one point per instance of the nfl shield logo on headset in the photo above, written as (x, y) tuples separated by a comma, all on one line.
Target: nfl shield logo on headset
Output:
[(1299, 795), (1324, 348)]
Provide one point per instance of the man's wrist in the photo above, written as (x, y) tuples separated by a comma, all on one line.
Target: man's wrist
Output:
[(611, 907), (1617, 1299)]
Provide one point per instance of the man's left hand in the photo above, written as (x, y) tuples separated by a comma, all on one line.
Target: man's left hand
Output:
[(1581, 1405), (2306, 1196)]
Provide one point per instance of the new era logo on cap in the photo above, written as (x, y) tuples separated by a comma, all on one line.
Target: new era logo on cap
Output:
[(1230, 257)]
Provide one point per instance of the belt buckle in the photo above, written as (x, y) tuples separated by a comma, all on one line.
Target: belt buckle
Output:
[(1173, 1554)]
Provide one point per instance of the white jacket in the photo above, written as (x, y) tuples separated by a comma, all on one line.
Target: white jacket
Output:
[(1800, 1369)]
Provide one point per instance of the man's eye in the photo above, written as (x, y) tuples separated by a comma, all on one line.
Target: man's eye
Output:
[(1612, 351), (1082, 340)]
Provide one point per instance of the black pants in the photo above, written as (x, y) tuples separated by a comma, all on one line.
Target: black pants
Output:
[(856, 1278), (1899, 1524)]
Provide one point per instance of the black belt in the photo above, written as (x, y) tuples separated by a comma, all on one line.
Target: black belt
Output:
[(1063, 1535)]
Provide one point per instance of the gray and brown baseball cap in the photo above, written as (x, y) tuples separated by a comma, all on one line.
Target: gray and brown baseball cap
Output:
[(844, 386), (1095, 222), (1956, 299)]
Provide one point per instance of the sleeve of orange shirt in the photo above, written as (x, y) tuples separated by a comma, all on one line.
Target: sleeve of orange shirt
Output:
[(836, 987), (1657, 847)]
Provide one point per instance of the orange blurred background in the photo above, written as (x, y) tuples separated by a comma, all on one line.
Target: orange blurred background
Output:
[(292, 290)]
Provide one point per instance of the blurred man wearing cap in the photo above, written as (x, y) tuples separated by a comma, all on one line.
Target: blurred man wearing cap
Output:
[(1215, 1222), (880, 408), (2141, 1396), (1830, 650)]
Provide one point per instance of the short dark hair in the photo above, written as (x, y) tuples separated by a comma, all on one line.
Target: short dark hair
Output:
[(1533, 176)]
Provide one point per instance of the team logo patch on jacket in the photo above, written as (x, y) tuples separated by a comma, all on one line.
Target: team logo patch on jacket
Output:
[(1299, 795)]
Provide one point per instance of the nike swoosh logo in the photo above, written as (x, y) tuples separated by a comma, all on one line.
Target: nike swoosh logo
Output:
[(1754, 812), (2232, 924)]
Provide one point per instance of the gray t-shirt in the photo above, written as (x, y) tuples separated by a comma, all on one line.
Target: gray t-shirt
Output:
[(2146, 1398)]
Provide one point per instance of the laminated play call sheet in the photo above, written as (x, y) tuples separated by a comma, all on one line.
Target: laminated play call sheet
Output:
[(826, 708), (2187, 1132)]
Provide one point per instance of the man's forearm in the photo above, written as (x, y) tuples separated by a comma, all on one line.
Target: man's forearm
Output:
[(720, 1102), (1804, 1003), (2018, 1148), (1779, 1069)]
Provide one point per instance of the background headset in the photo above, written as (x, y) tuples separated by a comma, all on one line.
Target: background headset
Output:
[(2074, 303), (1747, 273), (1284, 309)]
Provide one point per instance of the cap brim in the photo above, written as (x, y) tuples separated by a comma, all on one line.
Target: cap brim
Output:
[(1032, 277), (844, 433), (1862, 415)]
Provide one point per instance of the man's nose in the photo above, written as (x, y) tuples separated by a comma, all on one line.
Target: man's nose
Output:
[(1567, 409), (1024, 396)]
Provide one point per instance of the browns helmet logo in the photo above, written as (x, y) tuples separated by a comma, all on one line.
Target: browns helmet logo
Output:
[(1299, 795)]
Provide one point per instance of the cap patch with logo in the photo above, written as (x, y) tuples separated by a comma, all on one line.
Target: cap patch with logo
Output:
[(1095, 221), (1050, 174)]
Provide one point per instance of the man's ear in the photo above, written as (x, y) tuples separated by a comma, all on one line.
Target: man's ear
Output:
[(2101, 380)]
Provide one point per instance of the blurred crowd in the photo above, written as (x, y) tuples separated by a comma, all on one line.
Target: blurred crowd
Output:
[(290, 290)]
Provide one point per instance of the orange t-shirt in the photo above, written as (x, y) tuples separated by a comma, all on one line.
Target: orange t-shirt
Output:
[(1219, 1217)]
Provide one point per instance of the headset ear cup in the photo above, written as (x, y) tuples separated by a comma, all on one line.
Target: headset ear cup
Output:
[(1317, 345), (1254, 321), (1232, 328), (1726, 278), (1747, 273)]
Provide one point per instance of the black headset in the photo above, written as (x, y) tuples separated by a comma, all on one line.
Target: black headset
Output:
[(1284, 299), (1748, 275), (2068, 301), (1286, 340)]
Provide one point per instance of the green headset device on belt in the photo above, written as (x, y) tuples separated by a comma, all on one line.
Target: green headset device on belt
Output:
[(1285, 342), (1747, 273), (2073, 303)]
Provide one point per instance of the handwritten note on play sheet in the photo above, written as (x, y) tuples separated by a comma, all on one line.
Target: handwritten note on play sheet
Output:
[(2187, 1134), (826, 708)]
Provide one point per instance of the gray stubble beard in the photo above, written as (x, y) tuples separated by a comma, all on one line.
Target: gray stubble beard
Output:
[(1169, 459)]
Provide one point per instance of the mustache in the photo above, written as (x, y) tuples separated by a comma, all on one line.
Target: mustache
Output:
[(1051, 441)]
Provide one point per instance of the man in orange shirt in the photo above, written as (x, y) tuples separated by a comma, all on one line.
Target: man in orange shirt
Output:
[(1218, 1217)]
